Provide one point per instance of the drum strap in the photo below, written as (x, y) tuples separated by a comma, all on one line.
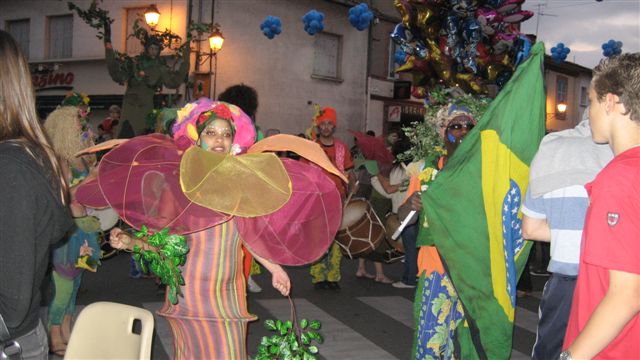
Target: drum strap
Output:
[(340, 153)]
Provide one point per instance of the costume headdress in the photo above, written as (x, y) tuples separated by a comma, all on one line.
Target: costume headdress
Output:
[(74, 98), (451, 112), (326, 114), (195, 116), (322, 114)]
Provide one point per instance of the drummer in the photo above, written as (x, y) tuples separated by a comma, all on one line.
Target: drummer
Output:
[(326, 273)]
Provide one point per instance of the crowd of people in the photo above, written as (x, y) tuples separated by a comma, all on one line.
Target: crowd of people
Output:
[(583, 198)]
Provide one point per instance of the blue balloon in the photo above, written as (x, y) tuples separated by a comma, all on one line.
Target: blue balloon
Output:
[(271, 26), (612, 48), (360, 16), (313, 22), (399, 57)]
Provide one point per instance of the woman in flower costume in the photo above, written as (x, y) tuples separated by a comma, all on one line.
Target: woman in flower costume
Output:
[(210, 320), (69, 133)]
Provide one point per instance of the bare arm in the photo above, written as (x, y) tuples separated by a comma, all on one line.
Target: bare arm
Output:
[(386, 185), (619, 305), (118, 239), (535, 229), (280, 279)]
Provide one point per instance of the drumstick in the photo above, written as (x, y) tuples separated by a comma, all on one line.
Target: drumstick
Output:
[(350, 195), (408, 219), (404, 224)]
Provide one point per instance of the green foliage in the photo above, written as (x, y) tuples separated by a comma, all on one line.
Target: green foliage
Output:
[(289, 341), (427, 143), (95, 17), (165, 263)]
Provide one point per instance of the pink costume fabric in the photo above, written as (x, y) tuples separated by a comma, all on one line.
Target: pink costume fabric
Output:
[(139, 180)]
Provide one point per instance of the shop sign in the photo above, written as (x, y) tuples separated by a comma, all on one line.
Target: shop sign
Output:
[(41, 81)]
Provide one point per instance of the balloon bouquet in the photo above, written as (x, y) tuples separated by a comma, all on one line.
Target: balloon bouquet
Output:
[(460, 43)]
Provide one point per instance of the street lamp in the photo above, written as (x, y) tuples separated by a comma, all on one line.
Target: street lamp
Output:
[(216, 40), (562, 107), (152, 15)]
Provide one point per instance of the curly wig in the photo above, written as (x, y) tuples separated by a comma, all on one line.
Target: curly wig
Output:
[(64, 128)]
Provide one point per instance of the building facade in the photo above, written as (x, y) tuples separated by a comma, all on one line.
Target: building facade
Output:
[(291, 72), (566, 83), (342, 67)]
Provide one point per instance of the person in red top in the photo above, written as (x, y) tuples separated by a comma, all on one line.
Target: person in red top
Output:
[(326, 272), (605, 314)]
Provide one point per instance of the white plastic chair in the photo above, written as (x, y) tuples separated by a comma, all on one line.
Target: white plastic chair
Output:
[(105, 330)]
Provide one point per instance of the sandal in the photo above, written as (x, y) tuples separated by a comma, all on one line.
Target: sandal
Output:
[(365, 275), (383, 280)]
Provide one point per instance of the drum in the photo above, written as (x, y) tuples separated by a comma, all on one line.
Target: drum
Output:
[(361, 231), (391, 224), (108, 217)]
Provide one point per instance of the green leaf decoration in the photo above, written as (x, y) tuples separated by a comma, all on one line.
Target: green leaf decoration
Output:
[(166, 261), (289, 340), (315, 325)]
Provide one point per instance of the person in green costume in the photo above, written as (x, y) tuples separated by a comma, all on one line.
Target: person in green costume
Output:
[(144, 75)]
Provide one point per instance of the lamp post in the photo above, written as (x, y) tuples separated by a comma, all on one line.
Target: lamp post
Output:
[(152, 15), (215, 40)]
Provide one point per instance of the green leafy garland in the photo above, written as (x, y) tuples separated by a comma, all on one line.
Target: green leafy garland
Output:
[(427, 143), (290, 342), (95, 17), (99, 19), (166, 261)]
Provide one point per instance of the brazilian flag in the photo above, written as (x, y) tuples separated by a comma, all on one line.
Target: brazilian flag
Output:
[(472, 211)]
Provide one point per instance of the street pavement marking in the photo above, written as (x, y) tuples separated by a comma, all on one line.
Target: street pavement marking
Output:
[(517, 355), (396, 307), (527, 319), (340, 341)]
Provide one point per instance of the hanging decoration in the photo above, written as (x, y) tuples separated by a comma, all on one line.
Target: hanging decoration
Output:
[(399, 57), (612, 48), (313, 22), (559, 53), (463, 44), (271, 26), (360, 16)]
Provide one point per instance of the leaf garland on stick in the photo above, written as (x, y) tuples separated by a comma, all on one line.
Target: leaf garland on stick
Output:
[(291, 340), (95, 17), (164, 262)]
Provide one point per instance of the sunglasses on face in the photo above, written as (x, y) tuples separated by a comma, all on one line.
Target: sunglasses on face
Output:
[(458, 126)]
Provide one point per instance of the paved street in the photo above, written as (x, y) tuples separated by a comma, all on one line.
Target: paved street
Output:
[(365, 320)]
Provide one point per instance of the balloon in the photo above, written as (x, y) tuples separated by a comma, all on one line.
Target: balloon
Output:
[(400, 57), (271, 26), (559, 52), (612, 48), (508, 6), (313, 22), (360, 16), (488, 18), (405, 10), (516, 17)]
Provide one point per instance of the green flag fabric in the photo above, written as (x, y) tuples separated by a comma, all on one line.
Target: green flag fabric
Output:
[(472, 211)]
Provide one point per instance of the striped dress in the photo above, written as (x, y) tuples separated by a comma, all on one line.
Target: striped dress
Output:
[(210, 321)]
